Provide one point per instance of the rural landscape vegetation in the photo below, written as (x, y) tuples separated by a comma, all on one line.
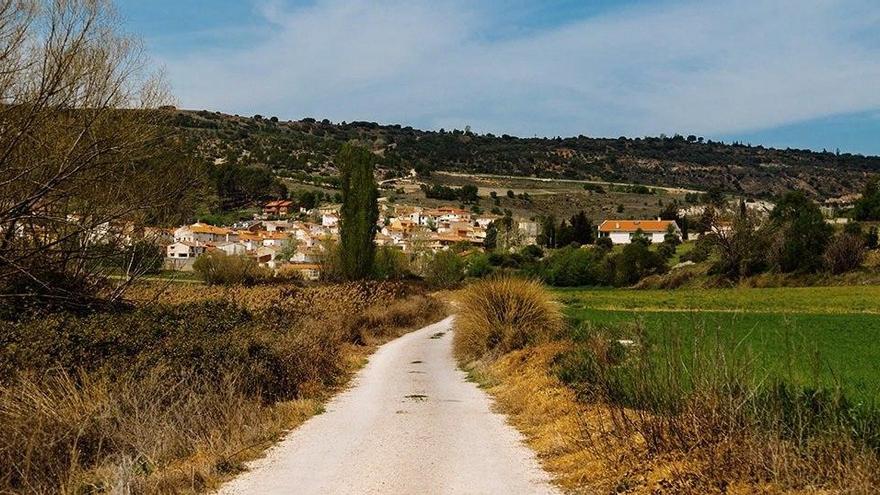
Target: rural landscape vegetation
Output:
[(183, 288)]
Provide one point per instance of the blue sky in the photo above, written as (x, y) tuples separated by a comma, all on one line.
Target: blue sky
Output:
[(798, 73)]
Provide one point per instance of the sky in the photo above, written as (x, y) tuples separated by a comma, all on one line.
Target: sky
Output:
[(783, 73)]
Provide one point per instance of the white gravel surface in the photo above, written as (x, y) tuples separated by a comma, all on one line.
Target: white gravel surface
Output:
[(410, 424)]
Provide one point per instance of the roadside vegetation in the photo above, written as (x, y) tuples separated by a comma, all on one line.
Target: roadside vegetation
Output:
[(631, 401), (173, 394)]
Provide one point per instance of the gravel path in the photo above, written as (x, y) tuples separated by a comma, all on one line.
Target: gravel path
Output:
[(410, 424)]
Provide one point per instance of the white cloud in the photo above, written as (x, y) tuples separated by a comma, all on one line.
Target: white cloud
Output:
[(703, 67)]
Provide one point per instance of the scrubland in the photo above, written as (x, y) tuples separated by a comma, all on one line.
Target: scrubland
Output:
[(176, 392)]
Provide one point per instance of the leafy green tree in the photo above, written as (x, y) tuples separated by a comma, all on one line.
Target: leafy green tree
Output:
[(802, 234), (742, 245), (547, 237), (564, 234), (671, 236), (468, 194), (141, 257), (446, 269), (288, 249), (871, 238), (868, 207), (581, 228), (359, 212), (635, 262), (491, 237), (605, 244), (308, 199), (238, 186), (714, 197), (390, 264), (572, 267), (478, 265), (639, 237)]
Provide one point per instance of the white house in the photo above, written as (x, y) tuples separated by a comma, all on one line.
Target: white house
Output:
[(233, 248), (184, 249), (329, 219), (622, 231), (181, 255), (306, 256), (278, 226)]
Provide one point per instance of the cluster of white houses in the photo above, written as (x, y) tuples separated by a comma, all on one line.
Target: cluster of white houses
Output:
[(301, 244)]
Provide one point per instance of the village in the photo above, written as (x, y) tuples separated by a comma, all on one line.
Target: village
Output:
[(285, 235)]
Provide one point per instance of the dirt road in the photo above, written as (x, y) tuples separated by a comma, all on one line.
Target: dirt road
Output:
[(410, 424)]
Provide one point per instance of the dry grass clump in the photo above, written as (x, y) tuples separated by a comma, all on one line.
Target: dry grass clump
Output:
[(498, 315), (219, 268), (173, 397)]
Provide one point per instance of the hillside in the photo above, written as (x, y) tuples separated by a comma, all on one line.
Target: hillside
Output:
[(304, 150)]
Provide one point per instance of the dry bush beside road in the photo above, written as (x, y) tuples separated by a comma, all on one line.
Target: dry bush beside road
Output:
[(502, 314)]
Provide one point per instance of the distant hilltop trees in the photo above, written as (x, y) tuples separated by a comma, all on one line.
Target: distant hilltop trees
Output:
[(308, 147)]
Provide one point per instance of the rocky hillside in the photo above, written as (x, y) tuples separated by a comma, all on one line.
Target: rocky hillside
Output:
[(304, 149)]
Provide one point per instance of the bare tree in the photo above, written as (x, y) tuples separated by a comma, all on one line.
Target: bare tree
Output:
[(86, 156)]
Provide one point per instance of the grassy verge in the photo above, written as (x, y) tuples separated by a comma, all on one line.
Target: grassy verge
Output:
[(176, 394), (809, 300), (620, 404)]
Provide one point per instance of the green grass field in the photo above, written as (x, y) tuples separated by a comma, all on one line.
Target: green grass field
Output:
[(816, 336)]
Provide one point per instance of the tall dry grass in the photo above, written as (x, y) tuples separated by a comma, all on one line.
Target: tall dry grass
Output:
[(501, 314), (608, 410), (708, 406), (175, 395)]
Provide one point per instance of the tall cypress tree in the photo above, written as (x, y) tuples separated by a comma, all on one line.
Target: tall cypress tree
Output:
[(359, 212)]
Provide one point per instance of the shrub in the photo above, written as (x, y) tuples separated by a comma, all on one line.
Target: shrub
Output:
[(387, 320), (802, 234), (445, 270), (846, 252), (635, 262), (390, 264), (666, 250), (605, 243), (871, 238), (218, 268), (478, 265), (572, 267), (701, 251), (502, 314)]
